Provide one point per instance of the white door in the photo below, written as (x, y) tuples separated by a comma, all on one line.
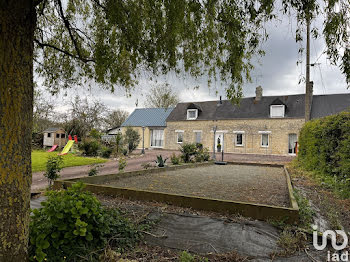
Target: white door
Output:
[(219, 142)]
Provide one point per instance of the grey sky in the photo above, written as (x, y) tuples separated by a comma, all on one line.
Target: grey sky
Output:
[(277, 73)]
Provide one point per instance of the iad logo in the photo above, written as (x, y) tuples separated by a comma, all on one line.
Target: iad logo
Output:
[(336, 256), (333, 235)]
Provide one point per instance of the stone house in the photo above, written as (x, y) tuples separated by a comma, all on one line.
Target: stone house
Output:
[(54, 136), (150, 124), (258, 125)]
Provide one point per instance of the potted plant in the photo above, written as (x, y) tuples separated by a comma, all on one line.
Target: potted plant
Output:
[(219, 147)]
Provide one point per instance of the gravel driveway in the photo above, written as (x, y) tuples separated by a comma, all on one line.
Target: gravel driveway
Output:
[(246, 183)]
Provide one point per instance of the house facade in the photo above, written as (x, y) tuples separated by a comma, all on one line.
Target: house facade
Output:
[(259, 125), (150, 124)]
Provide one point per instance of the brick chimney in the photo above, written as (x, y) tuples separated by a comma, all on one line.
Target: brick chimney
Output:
[(258, 93)]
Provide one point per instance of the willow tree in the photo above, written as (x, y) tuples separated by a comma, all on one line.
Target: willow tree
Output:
[(111, 43)]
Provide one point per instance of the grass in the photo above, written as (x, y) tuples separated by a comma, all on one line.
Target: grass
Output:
[(39, 158)]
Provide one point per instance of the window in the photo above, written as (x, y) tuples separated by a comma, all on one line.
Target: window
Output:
[(277, 111), (192, 114), (57, 135), (198, 136), (179, 136), (48, 134), (157, 137), (264, 140), (239, 139), (292, 143), (63, 135)]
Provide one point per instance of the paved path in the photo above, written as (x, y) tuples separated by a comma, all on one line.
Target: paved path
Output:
[(136, 160)]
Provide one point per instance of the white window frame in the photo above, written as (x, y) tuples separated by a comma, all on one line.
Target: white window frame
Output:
[(177, 136), (239, 133), (268, 138), (188, 114), (195, 135), (277, 106)]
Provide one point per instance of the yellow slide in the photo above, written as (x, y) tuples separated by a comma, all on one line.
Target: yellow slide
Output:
[(67, 147)]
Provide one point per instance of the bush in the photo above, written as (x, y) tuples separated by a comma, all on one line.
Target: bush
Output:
[(53, 168), (118, 143), (121, 164), (175, 160), (89, 147), (73, 223), (324, 146), (94, 170), (106, 152), (131, 138), (94, 133), (188, 150), (194, 150), (202, 155)]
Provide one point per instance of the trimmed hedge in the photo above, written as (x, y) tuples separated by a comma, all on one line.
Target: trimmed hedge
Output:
[(324, 146)]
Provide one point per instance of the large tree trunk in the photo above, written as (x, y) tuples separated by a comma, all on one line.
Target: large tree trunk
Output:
[(17, 24)]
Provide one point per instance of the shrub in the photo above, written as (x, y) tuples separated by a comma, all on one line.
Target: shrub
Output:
[(94, 170), (121, 164), (118, 143), (175, 160), (106, 151), (72, 223), (94, 133), (125, 152), (132, 138), (53, 168), (202, 155), (324, 146), (160, 162), (188, 150), (89, 147)]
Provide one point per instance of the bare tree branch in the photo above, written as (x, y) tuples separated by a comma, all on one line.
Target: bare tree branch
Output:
[(42, 45), (68, 26)]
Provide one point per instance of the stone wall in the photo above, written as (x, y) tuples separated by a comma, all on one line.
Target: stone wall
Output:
[(278, 137)]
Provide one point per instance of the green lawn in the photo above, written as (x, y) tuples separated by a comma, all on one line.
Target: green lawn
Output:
[(39, 159)]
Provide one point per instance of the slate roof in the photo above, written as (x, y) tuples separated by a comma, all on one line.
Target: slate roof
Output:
[(52, 129), (247, 109), (148, 117), (325, 105)]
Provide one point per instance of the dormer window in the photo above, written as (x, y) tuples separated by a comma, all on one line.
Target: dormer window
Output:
[(277, 111), (192, 114)]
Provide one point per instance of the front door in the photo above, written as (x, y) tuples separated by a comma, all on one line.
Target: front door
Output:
[(219, 142)]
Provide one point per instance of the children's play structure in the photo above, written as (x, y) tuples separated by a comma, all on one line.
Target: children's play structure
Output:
[(54, 136), (53, 148), (67, 147)]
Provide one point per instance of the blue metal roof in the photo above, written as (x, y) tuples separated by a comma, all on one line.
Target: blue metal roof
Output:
[(148, 117)]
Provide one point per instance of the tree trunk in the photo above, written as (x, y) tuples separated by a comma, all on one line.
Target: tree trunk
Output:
[(17, 24)]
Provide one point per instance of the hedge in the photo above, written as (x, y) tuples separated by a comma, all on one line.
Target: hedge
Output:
[(324, 145)]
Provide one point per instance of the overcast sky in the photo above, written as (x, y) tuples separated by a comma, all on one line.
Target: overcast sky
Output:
[(277, 73)]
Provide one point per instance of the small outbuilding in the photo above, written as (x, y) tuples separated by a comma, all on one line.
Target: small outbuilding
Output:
[(111, 134), (54, 136)]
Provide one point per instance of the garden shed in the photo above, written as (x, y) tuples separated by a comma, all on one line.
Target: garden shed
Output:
[(54, 136)]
